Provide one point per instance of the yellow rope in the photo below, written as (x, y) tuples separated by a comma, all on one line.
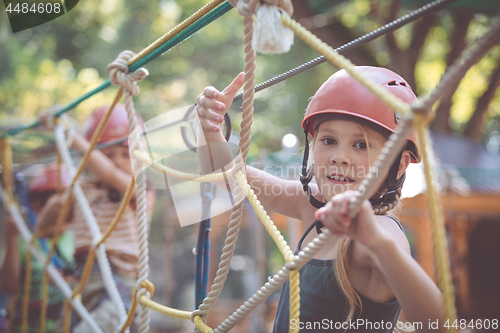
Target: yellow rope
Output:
[(439, 232), (131, 312), (133, 306), (26, 295), (294, 298), (87, 269), (341, 62), (118, 216), (266, 220), (164, 309), (6, 154), (45, 301), (181, 26), (67, 317), (144, 157), (201, 325), (97, 135)]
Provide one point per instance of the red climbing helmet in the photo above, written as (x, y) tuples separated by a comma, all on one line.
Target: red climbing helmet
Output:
[(46, 180), (342, 94), (117, 126)]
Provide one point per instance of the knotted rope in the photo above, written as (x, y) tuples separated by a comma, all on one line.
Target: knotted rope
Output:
[(270, 36), (120, 76)]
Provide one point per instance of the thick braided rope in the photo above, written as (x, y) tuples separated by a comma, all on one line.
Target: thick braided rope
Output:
[(276, 281), (144, 158), (120, 76), (438, 228), (102, 259), (53, 272), (234, 224)]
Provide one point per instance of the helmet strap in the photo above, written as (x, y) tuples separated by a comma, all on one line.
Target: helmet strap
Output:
[(304, 179), (392, 183)]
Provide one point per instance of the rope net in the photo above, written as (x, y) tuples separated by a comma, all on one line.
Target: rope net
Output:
[(415, 116)]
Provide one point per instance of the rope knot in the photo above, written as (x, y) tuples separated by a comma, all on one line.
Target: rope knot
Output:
[(250, 7), (120, 76), (145, 287), (239, 165)]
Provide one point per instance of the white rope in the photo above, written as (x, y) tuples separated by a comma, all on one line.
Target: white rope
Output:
[(102, 259), (120, 76), (53, 272)]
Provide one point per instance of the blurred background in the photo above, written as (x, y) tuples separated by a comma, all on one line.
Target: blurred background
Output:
[(58, 61)]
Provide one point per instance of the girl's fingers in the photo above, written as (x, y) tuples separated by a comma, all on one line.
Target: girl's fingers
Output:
[(209, 114), (211, 103), (234, 86)]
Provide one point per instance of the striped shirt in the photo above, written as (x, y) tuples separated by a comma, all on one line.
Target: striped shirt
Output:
[(122, 245)]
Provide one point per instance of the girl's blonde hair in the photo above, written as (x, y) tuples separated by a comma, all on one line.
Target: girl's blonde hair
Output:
[(344, 245)]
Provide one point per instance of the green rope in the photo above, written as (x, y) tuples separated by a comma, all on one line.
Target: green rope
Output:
[(177, 39)]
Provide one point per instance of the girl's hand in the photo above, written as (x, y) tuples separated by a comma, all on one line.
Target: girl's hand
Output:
[(363, 228), (47, 217), (47, 118), (213, 105)]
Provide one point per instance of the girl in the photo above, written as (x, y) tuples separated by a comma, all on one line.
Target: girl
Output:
[(374, 275), (111, 168), (42, 192)]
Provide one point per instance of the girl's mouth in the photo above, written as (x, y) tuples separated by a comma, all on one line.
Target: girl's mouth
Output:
[(340, 179)]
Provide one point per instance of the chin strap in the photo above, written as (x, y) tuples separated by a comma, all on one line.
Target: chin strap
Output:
[(303, 176), (392, 183)]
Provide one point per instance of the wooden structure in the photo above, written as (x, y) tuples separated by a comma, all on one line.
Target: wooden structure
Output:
[(471, 214)]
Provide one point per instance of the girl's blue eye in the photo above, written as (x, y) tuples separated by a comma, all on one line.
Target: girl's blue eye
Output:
[(361, 145), (329, 141)]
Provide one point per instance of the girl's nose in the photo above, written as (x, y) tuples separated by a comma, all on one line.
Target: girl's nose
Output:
[(340, 158)]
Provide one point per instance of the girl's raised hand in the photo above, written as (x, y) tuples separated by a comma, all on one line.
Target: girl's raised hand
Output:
[(213, 105), (363, 228)]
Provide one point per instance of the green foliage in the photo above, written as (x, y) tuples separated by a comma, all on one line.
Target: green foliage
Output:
[(57, 62)]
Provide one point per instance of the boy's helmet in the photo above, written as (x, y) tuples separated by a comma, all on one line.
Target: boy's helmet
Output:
[(342, 94), (47, 179), (117, 126)]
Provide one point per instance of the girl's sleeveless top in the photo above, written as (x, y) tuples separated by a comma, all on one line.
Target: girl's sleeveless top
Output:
[(323, 306)]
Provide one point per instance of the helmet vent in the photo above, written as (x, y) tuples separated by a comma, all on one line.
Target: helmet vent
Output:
[(402, 84), (392, 83)]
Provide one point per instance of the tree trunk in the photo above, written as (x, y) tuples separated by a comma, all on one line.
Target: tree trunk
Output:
[(458, 43), (475, 125), (334, 34)]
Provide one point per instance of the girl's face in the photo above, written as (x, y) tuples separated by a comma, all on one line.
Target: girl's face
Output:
[(342, 155), (119, 155)]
